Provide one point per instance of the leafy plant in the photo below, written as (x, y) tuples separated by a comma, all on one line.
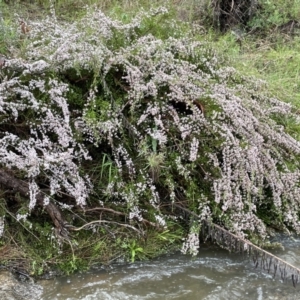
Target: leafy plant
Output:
[(133, 249), (274, 13)]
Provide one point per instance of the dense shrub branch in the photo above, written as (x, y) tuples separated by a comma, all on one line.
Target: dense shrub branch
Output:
[(114, 115)]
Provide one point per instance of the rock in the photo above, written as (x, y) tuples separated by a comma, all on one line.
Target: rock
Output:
[(12, 289)]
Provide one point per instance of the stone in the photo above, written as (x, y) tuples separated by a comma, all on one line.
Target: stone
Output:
[(13, 289)]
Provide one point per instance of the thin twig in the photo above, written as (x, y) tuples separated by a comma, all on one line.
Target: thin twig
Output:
[(103, 221), (117, 213), (20, 223)]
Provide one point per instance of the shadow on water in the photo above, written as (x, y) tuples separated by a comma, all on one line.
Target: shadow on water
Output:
[(214, 274)]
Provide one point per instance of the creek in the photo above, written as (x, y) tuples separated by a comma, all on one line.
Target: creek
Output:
[(215, 274)]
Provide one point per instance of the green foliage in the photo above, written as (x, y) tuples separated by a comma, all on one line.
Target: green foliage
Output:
[(71, 265), (133, 249), (275, 13), (7, 35), (170, 236)]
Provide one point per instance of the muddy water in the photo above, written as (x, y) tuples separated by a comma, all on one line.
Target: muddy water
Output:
[(213, 275)]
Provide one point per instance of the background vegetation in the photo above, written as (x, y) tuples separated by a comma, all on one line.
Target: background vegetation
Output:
[(152, 97)]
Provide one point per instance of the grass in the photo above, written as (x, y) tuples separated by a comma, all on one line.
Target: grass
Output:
[(278, 64), (275, 60)]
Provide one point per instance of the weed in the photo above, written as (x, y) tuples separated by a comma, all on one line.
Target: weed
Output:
[(133, 250)]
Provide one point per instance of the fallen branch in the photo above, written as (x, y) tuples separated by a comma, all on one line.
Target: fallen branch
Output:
[(260, 257), (266, 260)]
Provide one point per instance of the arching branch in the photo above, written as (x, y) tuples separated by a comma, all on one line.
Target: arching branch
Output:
[(21, 186)]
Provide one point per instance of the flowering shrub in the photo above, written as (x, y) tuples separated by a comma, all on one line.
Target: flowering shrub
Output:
[(159, 114)]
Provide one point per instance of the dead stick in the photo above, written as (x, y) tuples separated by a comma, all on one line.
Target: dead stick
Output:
[(103, 221), (241, 239)]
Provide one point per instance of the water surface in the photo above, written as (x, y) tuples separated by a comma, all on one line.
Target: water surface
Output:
[(214, 274)]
